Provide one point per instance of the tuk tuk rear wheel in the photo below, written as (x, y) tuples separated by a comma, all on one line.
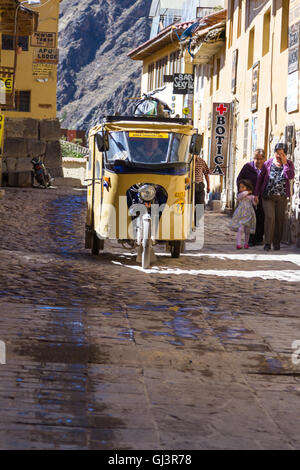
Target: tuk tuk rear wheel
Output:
[(176, 248)]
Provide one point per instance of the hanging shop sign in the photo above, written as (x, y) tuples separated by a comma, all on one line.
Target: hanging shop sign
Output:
[(45, 55), (183, 84), (255, 86), (219, 138), (43, 39)]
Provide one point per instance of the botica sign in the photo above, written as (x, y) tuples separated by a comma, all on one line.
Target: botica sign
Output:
[(46, 55), (219, 139)]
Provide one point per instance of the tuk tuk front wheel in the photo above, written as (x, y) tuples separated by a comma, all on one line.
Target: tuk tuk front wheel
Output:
[(176, 248)]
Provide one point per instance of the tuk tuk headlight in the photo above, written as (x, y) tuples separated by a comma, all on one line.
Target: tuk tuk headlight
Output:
[(147, 192)]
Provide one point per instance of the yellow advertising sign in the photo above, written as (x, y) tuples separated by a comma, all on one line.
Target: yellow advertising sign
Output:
[(149, 135), (6, 83), (1, 130)]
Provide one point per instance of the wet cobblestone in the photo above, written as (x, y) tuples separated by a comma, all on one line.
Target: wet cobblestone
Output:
[(101, 355)]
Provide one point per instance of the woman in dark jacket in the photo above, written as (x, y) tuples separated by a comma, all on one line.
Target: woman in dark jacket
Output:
[(273, 187), (251, 171)]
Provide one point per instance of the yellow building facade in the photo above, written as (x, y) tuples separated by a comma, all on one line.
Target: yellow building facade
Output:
[(35, 59), (254, 72), (166, 55), (162, 58), (260, 79), (28, 79)]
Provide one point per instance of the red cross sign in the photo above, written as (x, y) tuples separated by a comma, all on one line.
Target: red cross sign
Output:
[(222, 109)]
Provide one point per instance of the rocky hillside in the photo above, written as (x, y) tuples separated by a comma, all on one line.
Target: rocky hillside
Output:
[(95, 76)]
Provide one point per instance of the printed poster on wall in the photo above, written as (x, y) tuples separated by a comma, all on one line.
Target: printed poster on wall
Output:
[(42, 71), (293, 58), (255, 87), (253, 134), (43, 39), (293, 67), (292, 93)]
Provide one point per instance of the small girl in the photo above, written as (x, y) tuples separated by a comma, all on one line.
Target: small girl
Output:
[(244, 218)]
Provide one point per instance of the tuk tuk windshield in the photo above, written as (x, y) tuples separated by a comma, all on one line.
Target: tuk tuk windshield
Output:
[(148, 147)]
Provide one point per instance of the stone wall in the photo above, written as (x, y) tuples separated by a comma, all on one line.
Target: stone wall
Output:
[(25, 138)]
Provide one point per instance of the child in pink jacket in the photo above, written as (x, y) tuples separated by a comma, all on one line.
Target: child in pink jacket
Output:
[(244, 218)]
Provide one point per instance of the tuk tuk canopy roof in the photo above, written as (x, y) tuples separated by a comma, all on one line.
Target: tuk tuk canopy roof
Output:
[(145, 126)]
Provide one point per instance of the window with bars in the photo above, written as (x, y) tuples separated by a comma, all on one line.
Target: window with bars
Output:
[(161, 70), (22, 101), (175, 62), (8, 42), (151, 76)]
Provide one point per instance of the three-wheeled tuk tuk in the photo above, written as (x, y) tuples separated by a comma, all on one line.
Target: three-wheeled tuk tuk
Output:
[(140, 184)]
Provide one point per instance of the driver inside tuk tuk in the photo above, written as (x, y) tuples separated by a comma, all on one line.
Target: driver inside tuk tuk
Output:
[(153, 152)]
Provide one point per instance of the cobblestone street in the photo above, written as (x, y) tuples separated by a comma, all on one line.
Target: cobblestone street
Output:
[(195, 353)]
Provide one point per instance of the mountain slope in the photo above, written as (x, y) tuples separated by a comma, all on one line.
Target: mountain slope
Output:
[(95, 76)]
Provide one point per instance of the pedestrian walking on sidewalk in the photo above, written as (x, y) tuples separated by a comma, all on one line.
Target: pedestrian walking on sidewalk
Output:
[(201, 171), (244, 220), (251, 172), (273, 186)]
